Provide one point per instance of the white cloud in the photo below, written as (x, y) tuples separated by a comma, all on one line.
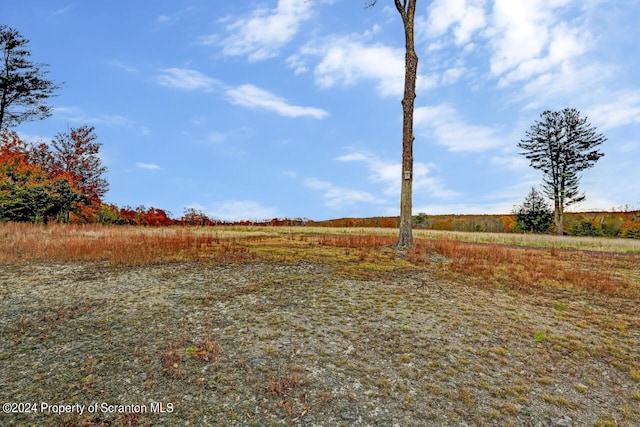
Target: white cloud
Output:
[(564, 84), (381, 171), (187, 79), (465, 17), (265, 31), (452, 75), (253, 97), (446, 127), (78, 115), (217, 137), (246, 95), (62, 11), (338, 197), (541, 48), (520, 32), (163, 19), (175, 17), (236, 210), (150, 166), (624, 110), (389, 173), (348, 60), (565, 44), (529, 38), (117, 64), (510, 162)]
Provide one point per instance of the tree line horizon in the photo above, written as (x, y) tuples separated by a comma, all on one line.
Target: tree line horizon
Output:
[(63, 181)]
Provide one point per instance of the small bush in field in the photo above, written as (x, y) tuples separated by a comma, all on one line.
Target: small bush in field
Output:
[(631, 230), (585, 228)]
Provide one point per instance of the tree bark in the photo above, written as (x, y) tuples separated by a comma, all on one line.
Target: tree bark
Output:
[(559, 218), (407, 11)]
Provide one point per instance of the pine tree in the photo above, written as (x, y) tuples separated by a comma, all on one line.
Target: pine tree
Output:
[(561, 145), (534, 214), (23, 88)]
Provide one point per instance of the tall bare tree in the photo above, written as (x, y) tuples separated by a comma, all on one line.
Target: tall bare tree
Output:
[(407, 10), (23, 88)]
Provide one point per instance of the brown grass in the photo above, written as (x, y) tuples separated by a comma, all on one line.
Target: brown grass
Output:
[(516, 267), (531, 269), (262, 326), (119, 245)]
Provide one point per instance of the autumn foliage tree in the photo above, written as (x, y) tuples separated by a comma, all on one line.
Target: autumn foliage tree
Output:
[(38, 184), (194, 216), (28, 191), (77, 153)]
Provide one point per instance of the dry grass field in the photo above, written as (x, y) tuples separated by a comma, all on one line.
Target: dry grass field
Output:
[(315, 327)]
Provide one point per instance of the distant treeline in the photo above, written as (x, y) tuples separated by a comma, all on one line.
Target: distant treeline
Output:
[(154, 217), (611, 224), (605, 224)]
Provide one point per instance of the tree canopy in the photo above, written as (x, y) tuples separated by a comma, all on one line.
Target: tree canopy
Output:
[(77, 154), (38, 184), (561, 144), (23, 86)]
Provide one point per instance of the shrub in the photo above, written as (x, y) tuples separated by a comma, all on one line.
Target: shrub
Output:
[(585, 228), (631, 230), (422, 220)]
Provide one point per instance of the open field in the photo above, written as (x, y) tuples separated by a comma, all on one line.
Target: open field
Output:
[(317, 327)]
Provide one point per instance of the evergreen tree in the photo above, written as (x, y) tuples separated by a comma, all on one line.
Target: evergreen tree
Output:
[(561, 145), (23, 86), (534, 214)]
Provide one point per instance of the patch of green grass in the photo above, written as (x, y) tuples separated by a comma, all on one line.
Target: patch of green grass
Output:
[(559, 306), (539, 336)]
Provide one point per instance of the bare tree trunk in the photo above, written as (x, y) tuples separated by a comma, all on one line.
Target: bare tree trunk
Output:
[(560, 220), (407, 10), (558, 217)]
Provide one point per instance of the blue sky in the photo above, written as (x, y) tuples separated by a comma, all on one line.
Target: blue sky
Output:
[(291, 108)]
